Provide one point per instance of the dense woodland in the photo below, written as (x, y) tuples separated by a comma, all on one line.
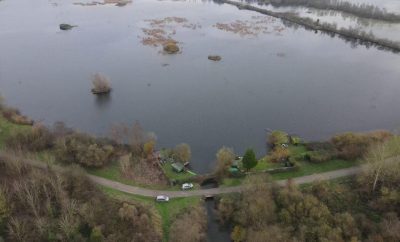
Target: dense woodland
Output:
[(44, 205), (364, 208)]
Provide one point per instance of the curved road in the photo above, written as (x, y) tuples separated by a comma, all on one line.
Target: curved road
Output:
[(220, 190), (202, 192)]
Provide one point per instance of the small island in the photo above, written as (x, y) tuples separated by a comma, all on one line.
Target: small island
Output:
[(101, 84)]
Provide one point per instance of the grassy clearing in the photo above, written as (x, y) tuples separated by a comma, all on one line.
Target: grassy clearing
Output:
[(307, 168), (264, 164), (167, 211), (7, 128)]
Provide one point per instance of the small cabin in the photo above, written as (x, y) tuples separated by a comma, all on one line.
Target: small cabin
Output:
[(177, 167)]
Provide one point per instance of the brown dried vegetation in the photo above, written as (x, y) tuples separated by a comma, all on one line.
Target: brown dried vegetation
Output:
[(119, 3), (257, 25), (161, 32), (44, 205)]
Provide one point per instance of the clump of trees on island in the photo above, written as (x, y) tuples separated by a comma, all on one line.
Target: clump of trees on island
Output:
[(364, 208), (360, 10), (45, 205), (101, 84)]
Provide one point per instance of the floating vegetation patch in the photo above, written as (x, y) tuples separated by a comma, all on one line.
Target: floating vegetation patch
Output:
[(162, 32), (119, 3), (253, 27)]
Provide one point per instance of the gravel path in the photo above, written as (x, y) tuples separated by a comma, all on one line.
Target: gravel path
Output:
[(202, 192)]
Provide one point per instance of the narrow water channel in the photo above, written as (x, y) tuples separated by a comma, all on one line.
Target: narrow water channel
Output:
[(214, 232)]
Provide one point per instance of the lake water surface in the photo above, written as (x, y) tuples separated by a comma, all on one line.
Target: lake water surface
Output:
[(296, 80)]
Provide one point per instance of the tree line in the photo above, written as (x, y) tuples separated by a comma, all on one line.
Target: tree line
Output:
[(360, 10), (362, 208)]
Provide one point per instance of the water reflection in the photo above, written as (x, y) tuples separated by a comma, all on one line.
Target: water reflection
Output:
[(215, 233), (103, 101)]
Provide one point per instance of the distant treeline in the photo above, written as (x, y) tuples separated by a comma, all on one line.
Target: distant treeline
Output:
[(359, 36), (359, 10)]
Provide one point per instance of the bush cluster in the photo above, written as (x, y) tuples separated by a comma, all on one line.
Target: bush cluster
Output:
[(84, 150), (350, 146), (319, 156), (36, 139)]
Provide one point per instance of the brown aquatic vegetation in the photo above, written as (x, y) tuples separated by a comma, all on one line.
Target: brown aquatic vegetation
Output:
[(119, 3), (161, 32), (171, 48), (257, 25)]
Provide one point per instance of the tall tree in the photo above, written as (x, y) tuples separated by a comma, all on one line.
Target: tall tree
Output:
[(249, 159), (183, 152), (137, 139), (225, 157)]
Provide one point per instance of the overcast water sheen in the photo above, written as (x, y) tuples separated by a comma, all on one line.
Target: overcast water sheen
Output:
[(305, 83)]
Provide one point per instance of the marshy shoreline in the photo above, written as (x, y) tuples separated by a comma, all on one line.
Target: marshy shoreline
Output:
[(360, 37)]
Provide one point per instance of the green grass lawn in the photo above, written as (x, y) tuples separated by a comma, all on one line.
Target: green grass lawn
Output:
[(307, 168), (166, 210), (264, 164)]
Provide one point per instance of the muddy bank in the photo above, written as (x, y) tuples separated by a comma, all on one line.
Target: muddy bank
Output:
[(361, 37)]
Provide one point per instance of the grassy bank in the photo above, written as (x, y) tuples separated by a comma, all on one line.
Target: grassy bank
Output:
[(7, 128), (304, 167), (167, 211)]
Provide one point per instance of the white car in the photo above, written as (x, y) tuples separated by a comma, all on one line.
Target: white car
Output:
[(162, 198), (187, 186)]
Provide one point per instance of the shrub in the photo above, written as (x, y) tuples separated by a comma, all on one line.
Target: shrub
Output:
[(280, 154), (4, 210), (38, 138), (314, 146), (14, 116), (295, 140), (318, 156), (277, 138), (350, 146), (84, 150)]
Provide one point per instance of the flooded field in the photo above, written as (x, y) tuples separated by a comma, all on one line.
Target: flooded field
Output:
[(271, 75)]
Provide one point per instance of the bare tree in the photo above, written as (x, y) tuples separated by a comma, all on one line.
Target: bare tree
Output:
[(137, 139), (225, 157), (183, 152)]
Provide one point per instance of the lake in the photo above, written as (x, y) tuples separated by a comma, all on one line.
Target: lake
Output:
[(274, 76)]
